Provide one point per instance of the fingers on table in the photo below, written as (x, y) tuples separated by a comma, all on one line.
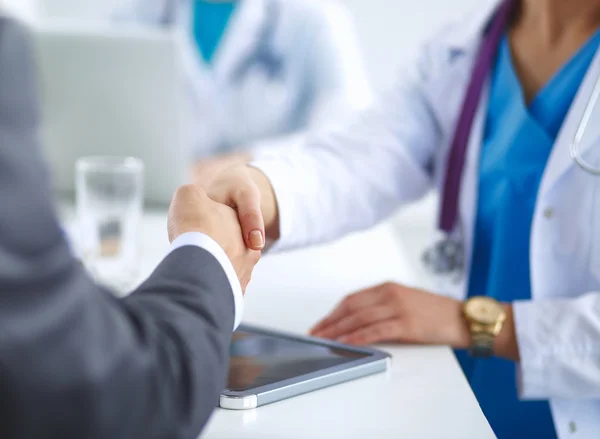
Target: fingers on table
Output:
[(355, 311), (358, 320), (379, 332), (348, 305)]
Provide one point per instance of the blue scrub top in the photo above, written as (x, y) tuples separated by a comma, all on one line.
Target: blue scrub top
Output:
[(210, 22), (517, 143)]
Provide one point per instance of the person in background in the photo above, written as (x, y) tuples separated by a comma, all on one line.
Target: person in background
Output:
[(75, 361), (260, 72), (486, 115)]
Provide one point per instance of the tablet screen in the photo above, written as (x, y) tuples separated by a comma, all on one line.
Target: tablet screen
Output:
[(261, 359)]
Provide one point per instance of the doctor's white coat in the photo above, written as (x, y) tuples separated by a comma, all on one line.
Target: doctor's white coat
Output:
[(323, 75), (350, 178)]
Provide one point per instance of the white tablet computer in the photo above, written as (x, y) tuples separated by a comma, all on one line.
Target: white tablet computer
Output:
[(268, 366)]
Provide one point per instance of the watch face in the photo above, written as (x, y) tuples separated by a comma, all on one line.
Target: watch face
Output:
[(484, 310)]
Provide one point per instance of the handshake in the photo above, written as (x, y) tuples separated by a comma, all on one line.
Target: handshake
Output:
[(238, 210)]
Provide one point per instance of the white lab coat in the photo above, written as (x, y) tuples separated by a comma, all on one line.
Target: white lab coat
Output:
[(352, 177), (323, 75)]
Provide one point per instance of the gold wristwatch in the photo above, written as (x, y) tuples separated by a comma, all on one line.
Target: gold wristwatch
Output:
[(485, 317)]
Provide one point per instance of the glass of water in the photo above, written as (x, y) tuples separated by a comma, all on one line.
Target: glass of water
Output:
[(110, 193)]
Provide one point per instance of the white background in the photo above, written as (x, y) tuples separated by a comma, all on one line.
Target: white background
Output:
[(390, 33), (392, 30), (389, 30)]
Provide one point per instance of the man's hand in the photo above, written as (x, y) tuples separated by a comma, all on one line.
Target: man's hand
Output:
[(192, 211), (394, 313), (249, 192)]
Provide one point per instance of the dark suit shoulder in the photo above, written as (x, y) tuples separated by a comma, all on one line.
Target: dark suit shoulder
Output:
[(17, 68)]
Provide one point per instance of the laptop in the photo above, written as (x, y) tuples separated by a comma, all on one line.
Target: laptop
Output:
[(113, 91)]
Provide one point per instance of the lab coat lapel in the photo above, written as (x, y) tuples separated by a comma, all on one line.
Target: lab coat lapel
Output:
[(240, 38), (205, 104), (462, 47), (463, 38), (560, 159), (190, 53), (470, 182)]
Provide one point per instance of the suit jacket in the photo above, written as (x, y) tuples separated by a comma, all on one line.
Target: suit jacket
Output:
[(76, 362)]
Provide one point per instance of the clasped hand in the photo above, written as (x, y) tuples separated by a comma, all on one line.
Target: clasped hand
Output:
[(193, 211), (228, 210)]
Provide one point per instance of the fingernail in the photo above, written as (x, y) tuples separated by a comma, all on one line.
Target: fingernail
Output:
[(256, 239)]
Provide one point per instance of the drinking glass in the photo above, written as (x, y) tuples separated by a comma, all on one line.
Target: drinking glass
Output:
[(109, 198)]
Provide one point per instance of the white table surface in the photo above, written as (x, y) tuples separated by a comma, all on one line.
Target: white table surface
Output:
[(423, 395)]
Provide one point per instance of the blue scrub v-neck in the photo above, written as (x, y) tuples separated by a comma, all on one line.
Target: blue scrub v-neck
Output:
[(210, 23), (516, 146)]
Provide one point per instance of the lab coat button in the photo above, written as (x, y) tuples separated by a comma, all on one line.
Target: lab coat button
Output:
[(572, 427), (549, 213)]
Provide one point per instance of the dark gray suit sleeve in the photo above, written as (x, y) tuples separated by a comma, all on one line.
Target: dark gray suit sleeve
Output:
[(75, 362)]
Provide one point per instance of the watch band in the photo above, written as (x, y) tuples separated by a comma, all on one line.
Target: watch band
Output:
[(482, 345)]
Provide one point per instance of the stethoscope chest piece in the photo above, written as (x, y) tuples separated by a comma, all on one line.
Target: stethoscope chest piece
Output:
[(446, 258)]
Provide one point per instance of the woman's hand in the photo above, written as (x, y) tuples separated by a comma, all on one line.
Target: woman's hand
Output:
[(206, 170), (394, 313), (249, 192)]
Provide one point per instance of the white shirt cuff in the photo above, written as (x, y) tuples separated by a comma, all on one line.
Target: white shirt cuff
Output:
[(204, 241)]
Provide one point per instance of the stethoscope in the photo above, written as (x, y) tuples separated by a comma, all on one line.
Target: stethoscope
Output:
[(264, 55), (447, 256), (578, 138)]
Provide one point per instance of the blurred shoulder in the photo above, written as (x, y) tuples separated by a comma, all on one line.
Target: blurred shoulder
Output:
[(314, 10), (17, 74), (14, 38), (14, 35)]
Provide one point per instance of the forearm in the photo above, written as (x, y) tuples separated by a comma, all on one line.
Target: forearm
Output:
[(155, 362), (352, 175), (505, 345)]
